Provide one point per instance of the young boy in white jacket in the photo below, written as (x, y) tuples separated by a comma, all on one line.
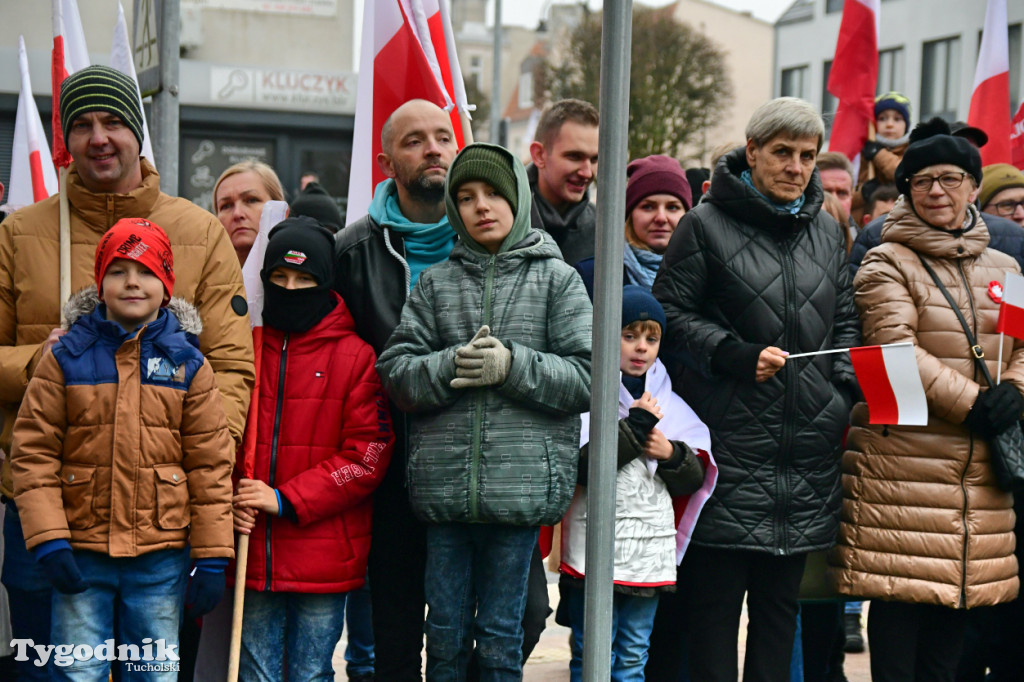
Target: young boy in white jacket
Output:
[(665, 475)]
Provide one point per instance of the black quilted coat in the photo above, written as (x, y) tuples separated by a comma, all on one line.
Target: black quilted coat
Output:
[(739, 268)]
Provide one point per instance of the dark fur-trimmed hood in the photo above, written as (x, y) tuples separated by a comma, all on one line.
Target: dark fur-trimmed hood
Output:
[(85, 301)]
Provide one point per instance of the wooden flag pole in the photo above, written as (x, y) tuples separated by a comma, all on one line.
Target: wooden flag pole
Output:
[(235, 650), (65, 242)]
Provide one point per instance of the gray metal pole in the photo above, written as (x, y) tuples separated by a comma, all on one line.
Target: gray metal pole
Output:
[(616, 41), (496, 104), (166, 102)]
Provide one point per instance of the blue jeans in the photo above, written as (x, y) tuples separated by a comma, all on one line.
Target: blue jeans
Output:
[(359, 621), (632, 622), (302, 628), (146, 592), (28, 592), (476, 589)]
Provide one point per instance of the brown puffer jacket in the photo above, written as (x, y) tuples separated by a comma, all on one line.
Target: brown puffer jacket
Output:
[(922, 519), (206, 274), (121, 446)]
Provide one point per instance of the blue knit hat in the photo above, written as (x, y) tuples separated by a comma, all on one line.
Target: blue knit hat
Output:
[(895, 101), (638, 304)]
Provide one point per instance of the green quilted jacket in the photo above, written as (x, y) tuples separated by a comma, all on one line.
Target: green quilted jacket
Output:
[(502, 454)]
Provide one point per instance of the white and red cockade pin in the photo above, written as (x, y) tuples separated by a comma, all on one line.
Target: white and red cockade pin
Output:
[(995, 291)]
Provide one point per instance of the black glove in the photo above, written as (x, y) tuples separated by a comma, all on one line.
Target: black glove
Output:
[(1004, 407), (206, 587), (871, 148), (61, 570), (641, 422), (977, 419)]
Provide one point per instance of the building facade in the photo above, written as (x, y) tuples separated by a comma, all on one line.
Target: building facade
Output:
[(273, 81), (928, 51)]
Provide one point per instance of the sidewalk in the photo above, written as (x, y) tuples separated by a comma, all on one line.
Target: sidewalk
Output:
[(550, 660)]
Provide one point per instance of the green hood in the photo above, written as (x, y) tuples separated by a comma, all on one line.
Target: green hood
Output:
[(521, 225)]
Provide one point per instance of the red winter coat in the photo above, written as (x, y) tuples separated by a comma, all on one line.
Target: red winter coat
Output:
[(324, 440)]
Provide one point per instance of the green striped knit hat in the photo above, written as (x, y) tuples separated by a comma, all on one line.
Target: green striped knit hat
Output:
[(100, 88), (480, 162)]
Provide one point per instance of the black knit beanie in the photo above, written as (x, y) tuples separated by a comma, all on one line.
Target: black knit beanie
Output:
[(305, 245), (930, 144), (315, 202), (480, 162), (100, 88)]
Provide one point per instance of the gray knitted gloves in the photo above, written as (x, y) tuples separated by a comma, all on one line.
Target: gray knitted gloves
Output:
[(484, 361)]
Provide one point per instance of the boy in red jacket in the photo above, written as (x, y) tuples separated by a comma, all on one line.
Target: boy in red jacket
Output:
[(323, 442)]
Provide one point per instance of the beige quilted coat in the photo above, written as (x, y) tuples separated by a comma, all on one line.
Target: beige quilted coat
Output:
[(922, 520)]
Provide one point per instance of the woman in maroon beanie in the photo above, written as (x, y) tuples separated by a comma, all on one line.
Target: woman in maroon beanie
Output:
[(657, 196)]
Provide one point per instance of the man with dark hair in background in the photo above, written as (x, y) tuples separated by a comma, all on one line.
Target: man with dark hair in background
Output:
[(564, 155)]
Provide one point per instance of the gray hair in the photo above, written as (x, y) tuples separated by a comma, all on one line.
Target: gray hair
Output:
[(789, 116)]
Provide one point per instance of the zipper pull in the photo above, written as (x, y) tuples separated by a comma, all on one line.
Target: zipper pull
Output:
[(284, 344)]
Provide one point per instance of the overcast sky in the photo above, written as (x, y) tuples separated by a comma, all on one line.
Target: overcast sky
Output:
[(528, 12)]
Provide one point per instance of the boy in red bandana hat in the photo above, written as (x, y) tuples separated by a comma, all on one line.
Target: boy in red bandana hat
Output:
[(122, 461)]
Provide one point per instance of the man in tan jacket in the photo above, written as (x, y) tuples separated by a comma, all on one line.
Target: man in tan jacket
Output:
[(107, 181)]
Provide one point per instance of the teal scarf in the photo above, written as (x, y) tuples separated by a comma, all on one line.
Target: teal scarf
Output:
[(425, 244), (792, 207)]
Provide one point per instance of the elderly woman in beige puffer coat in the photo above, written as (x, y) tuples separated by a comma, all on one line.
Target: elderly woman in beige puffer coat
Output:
[(925, 533)]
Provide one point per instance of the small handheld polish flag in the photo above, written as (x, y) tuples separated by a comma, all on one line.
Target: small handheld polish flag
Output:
[(891, 383), (1011, 311)]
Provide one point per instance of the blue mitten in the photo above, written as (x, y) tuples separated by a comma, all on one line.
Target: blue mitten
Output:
[(206, 587), (60, 567)]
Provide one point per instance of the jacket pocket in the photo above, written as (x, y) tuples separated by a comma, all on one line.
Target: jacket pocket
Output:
[(561, 478), (78, 482), (172, 505)]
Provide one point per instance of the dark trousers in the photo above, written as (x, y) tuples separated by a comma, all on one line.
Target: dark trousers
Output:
[(714, 583), (914, 642), (822, 638), (537, 607), (398, 557), (666, 656), (29, 594)]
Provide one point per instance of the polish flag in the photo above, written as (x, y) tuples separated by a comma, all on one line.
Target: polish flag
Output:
[(854, 77), (1011, 311), (32, 174), (121, 59), (398, 62), (1017, 138), (990, 101), (432, 19), (891, 383), (273, 213), (69, 55)]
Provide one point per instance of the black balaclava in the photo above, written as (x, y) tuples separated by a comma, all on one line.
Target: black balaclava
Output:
[(300, 244)]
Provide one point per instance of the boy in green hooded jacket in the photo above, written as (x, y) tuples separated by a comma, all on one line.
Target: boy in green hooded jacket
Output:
[(491, 359)]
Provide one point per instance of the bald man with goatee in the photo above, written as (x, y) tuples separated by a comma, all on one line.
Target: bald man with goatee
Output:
[(380, 256)]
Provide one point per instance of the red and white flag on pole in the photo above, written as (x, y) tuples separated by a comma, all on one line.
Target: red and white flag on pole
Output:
[(69, 55), (32, 174), (1011, 310), (273, 213), (121, 59), (432, 20), (1017, 138), (990, 101), (854, 77), (891, 383), (398, 62)]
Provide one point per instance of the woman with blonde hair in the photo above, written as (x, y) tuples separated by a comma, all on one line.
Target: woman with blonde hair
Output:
[(238, 199)]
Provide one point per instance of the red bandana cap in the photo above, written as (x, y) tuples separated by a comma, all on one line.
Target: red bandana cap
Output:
[(139, 240)]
